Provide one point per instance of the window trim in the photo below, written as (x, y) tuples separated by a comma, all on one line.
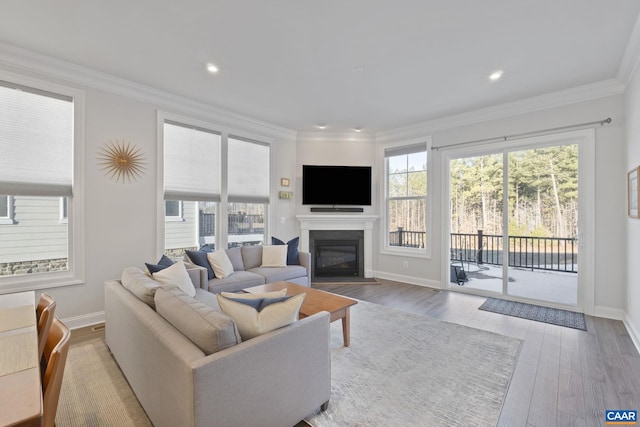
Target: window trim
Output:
[(75, 274), (385, 248), (225, 133)]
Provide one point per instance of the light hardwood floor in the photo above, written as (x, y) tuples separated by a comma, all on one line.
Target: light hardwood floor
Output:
[(563, 377)]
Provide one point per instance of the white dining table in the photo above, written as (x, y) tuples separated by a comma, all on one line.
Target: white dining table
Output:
[(20, 383)]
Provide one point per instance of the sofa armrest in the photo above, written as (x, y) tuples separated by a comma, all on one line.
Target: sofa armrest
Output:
[(198, 275), (305, 261), (282, 376)]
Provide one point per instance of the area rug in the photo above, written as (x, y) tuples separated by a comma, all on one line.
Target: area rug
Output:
[(403, 369), (94, 391), (554, 316)]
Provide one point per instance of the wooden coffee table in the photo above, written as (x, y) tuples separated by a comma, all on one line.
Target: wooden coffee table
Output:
[(315, 302)]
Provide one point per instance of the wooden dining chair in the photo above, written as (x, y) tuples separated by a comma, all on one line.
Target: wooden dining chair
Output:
[(55, 356), (45, 312)]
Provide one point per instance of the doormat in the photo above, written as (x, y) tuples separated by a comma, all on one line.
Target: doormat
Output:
[(554, 316)]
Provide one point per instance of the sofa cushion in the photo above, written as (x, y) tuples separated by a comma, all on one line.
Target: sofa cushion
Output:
[(293, 257), (220, 263), (200, 258), (251, 256), (236, 282), (140, 284), (252, 323), (235, 256), (274, 256), (176, 275), (278, 274), (242, 295), (164, 262), (207, 328)]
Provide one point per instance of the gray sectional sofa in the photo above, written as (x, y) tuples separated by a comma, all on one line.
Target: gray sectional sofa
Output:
[(275, 379), (246, 261)]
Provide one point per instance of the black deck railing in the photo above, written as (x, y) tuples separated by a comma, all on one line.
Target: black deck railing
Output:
[(408, 239), (238, 224), (535, 253)]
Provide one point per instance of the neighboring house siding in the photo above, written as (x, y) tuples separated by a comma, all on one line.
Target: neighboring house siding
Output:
[(183, 234), (36, 220)]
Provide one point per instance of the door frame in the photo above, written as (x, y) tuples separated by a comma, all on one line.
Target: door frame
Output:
[(585, 139)]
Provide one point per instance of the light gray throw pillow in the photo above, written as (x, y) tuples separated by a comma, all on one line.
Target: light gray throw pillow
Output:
[(140, 284), (207, 328)]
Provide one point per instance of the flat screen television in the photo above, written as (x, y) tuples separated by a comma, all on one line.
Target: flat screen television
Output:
[(336, 185)]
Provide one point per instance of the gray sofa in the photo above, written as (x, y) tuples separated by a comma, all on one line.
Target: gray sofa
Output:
[(275, 379), (246, 261)]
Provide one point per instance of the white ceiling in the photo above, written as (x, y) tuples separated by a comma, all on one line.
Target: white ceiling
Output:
[(373, 64)]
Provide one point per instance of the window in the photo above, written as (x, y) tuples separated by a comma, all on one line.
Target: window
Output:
[(173, 210), (406, 196), (248, 188), (38, 132), (191, 186), (6, 210), (64, 215)]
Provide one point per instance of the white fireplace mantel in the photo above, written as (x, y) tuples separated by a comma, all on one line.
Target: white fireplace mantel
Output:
[(340, 222)]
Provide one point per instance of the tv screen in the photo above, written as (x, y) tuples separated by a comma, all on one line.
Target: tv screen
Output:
[(336, 185)]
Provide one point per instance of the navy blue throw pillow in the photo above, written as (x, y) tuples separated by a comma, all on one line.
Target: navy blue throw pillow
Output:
[(164, 262), (260, 303), (200, 258), (292, 249)]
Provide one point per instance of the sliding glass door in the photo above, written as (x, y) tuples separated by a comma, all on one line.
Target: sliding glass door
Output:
[(514, 219)]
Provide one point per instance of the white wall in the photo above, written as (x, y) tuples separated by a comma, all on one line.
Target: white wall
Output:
[(632, 226), (121, 218)]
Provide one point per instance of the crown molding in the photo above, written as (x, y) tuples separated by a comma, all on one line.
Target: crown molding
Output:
[(560, 98), (631, 57), (46, 66), (346, 136)]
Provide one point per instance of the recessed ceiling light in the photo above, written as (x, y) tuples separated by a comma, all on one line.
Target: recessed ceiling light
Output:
[(212, 68), (357, 129), (496, 75), (321, 126)]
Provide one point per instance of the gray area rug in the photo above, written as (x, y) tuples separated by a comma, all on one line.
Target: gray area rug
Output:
[(403, 369), (538, 313)]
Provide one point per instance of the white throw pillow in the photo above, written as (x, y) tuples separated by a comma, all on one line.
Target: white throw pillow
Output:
[(274, 256), (274, 294), (176, 275), (220, 263), (252, 323)]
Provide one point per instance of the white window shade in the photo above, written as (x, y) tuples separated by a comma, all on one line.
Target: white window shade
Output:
[(36, 136), (191, 164), (248, 172)]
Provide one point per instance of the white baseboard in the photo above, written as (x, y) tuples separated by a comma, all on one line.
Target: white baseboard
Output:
[(634, 332), (609, 313), (84, 320), (408, 279)]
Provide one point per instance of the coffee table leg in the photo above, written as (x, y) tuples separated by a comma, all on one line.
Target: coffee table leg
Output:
[(345, 328)]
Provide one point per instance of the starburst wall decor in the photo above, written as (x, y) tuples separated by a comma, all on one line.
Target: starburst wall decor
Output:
[(122, 160)]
